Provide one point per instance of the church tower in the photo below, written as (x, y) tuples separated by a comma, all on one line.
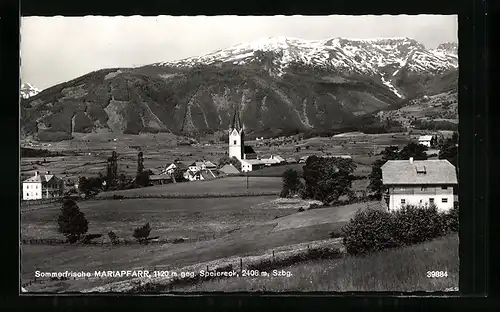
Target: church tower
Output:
[(236, 138)]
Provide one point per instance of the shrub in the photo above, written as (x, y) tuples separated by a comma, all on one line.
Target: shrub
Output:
[(414, 224), (301, 209), (369, 230), (314, 206), (335, 234), (72, 222), (142, 233), (178, 241), (452, 218), (117, 196), (113, 237)]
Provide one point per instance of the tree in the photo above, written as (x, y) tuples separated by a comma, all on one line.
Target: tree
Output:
[(375, 178), (327, 178), (291, 183), (178, 174), (113, 237), (449, 151), (415, 150), (72, 222), (142, 233), (140, 164), (143, 178), (90, 186)]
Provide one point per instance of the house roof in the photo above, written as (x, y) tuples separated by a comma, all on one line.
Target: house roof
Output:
[(207, 174), (278, 157), (40, 178), (252, 161), (425, 138), (229, 169), (203, 163), (439, 171)]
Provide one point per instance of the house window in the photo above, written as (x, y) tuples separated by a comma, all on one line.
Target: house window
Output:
[(431, 201), (234, 142), (420, 201), (423, 188), (444, 187), (444, 200), (403, 201), (27, 194)]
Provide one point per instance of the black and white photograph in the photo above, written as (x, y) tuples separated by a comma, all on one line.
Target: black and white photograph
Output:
[(186, 154)]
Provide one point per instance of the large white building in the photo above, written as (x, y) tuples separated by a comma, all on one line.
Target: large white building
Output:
[(419, 182), (42, 186)]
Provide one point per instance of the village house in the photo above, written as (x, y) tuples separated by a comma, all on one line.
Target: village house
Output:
[(427, 140), (419, 182), (203, 174), (251, 164), (159, 179), (42, 186)]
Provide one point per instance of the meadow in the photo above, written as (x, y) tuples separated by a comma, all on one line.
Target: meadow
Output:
[(253, 226), (401, 269)]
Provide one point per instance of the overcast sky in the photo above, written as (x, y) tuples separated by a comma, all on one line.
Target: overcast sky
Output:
[(58, 49)]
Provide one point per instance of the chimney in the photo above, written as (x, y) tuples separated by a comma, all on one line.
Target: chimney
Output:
[(36, 173), (48, 172), (411, 160)]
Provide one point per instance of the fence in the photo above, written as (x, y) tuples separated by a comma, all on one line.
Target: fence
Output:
[(120, 242)]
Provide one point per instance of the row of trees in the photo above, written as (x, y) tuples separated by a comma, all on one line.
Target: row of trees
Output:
[(91, 186), (73, 224)]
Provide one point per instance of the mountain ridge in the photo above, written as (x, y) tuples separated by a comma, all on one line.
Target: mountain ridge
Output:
[(277, 83)]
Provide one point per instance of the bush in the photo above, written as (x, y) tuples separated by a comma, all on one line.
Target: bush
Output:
[(142, 233), (369, 230), (72, 222), (413, 224), (335, 234), (314, 206), (113, 237), (301, 209), (117, 196), (452, 218)]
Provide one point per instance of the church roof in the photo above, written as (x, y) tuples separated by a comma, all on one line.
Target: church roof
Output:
[(236, 124)]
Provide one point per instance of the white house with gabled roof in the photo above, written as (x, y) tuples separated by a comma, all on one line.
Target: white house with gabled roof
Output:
[(42, 186), (419, 182)]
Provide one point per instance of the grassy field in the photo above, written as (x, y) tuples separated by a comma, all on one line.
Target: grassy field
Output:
[(403, 269), (188, 218), (248, 228), (227, 185)]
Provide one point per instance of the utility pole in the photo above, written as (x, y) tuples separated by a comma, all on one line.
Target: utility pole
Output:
[(247, 180)]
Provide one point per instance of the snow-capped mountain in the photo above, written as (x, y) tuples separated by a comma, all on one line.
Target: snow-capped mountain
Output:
[(278, 84), (28, 90), (361, 56)]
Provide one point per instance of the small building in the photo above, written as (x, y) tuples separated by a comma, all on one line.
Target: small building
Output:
[(427, 140), (202, 165), (419, 182), (303, 159), (251, 164), (159, 179), (203, 174), (291, 160), (170, 168), (229, 169), (42, 186)]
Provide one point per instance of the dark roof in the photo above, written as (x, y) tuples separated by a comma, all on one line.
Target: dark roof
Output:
[(236, 124), (439, 171), (207, 174)]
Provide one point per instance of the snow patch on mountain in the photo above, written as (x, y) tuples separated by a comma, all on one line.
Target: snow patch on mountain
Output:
[(27, 90)]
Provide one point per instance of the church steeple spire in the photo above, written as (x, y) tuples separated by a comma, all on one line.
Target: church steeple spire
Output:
[(236, 124)]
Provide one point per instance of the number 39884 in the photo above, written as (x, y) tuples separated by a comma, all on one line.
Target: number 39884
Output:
[(437, 274)]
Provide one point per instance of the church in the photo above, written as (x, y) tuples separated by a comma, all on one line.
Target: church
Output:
[(237, 148)]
